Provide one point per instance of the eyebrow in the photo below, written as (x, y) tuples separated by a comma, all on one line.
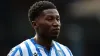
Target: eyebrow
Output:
[(54, 15)]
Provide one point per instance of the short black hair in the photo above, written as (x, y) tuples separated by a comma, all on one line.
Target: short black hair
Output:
[(36, 9)]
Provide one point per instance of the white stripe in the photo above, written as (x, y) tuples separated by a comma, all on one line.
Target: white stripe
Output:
[(11, 51), (56, 45), (24, 49), (64, 49), (69, 51), (42, 52), (32, 46), (53, 52), (17, 53)]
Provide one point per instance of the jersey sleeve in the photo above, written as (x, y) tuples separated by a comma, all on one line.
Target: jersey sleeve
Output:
[(14, 51), (69, 51)]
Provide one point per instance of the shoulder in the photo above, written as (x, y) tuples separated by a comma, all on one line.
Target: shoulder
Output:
[(64, 48), (61, 45), (21, 49), (14, 51)]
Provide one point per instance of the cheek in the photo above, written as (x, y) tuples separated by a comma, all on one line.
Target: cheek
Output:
[(44, 26)]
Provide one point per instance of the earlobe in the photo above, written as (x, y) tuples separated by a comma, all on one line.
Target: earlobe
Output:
[(33, 24)]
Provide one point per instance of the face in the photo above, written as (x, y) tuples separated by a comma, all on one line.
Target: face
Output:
[(48, 24)]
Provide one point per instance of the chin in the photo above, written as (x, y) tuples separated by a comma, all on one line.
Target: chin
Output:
[(54, 37)]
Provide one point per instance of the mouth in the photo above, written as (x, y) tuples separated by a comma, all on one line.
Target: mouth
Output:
[(56, 31)]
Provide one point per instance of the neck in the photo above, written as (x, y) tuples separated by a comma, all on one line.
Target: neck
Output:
[(43, 41)]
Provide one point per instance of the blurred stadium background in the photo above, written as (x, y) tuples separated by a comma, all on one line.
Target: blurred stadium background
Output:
[(80, 29)]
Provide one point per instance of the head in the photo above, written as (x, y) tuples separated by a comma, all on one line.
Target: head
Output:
[(45, 19)]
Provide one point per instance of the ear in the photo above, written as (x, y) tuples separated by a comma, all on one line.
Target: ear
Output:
[(34, 25)]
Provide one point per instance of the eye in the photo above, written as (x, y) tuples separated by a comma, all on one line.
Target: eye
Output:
[(58, 18), (50, 18)]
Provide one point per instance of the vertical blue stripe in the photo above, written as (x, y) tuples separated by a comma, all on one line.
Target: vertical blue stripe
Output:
[(20, 50), (14, 52), (56, 51), (69, 51), (60, 49), (28, 48), (38, 51), (46, 51), (50, 51)]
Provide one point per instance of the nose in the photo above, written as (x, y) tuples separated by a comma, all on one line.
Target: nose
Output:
[(56, 23)]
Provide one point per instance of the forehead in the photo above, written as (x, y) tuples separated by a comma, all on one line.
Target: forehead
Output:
[(51, 12)]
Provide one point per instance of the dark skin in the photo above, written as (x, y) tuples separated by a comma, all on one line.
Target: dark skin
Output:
[(47, 27)]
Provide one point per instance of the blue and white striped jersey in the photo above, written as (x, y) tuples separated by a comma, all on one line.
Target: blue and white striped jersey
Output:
[(30, 48)]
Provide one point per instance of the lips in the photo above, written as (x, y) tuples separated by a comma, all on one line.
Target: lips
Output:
[(56, 30)]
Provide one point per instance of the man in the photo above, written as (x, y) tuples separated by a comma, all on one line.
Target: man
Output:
[(45, 19)]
